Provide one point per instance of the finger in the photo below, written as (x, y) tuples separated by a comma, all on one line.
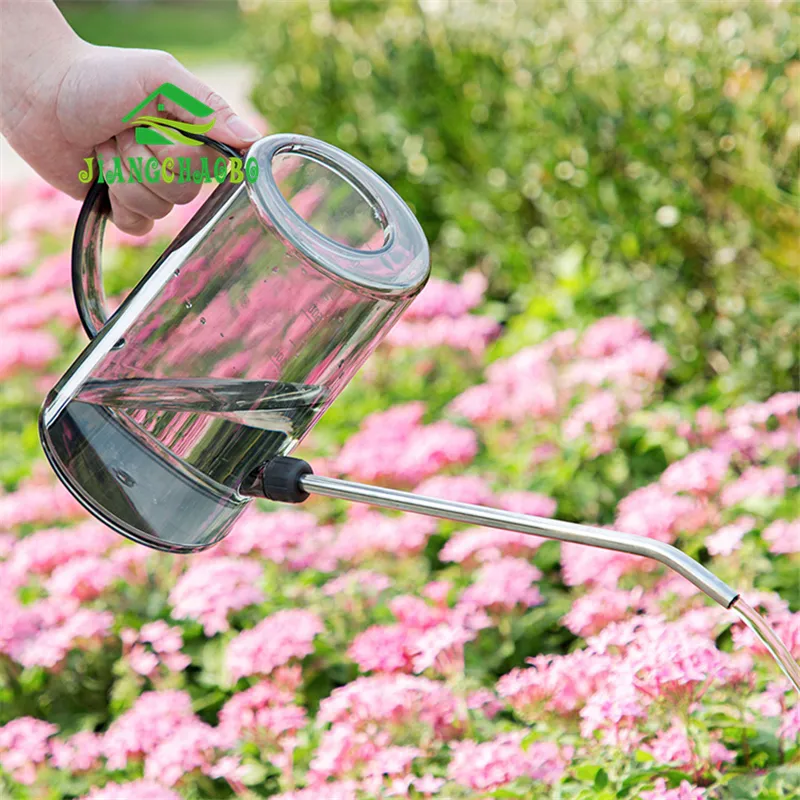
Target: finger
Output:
[(123, 216), (173, 192), (196, 102)]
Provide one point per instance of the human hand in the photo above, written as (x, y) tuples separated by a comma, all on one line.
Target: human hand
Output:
[(64, 102)]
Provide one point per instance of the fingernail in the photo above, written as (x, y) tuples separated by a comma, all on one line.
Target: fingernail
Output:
[(244, 130)]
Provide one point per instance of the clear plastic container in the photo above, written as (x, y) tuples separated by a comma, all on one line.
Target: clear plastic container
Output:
[(235, 342)]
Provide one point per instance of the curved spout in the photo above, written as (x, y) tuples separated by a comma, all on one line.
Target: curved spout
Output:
[(703, 579)]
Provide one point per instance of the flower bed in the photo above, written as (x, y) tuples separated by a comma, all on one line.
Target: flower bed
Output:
[(338, 652)]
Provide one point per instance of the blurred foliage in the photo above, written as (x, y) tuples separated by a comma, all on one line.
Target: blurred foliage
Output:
[(591, 158), (192, 30)]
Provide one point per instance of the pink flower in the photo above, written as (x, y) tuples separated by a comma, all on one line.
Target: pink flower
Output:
[(728, 539), (786, 626), (441, 298), (83, 578), (426, 637), (288, 537), (17, 254), (784, 405), (164, 638), (485, 701), (154, 717), (414, 612), (383, 648), (26, 350), (393, 700), (684, 792), (488, 765), (142, 661), (394, 446), (165, 648), (38, 312), (639, 365), (24, 746), (393, 760), (7, 542), (460, 488), (757, 482), (591, 566), (592, 612), (557, 684), (672, 662), (45, 550), (658, 513), (783, 536), (190, 747), (598, 416), (701, 472), (358, 581), (675, 747), (344, 751), (437, 591), (609, 335), (141, 790), (533, 503), (428, 785), (470, 333), (790, 726), (39, 504), (371, 532), (441, 648), (481, 403), (209, 590), (79, 753), (504, 584), (614, 711), (276, 640), (264, 710), (43, 633), (342, 790), (487, 544)]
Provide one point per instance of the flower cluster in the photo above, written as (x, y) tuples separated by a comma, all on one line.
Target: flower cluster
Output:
[(396, 446), (439, 317), (348, 653)]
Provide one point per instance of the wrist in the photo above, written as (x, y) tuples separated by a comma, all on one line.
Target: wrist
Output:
[(38, 47)]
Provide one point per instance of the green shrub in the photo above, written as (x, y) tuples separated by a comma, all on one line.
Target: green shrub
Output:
[(592, 158)]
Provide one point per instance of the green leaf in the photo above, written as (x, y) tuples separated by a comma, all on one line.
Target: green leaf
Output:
[(601, 779), (253, 773), (588, 772)]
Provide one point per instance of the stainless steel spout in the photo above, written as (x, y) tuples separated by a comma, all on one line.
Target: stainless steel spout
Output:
[(705, 581)]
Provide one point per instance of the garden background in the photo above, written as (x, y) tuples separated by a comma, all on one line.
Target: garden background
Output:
[(611, 195)]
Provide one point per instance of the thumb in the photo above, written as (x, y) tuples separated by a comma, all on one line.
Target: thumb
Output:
[(164, 71)]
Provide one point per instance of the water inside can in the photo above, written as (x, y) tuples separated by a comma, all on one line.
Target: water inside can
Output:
[(114, 440)]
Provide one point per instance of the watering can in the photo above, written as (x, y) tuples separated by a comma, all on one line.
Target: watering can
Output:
[(189, 399)]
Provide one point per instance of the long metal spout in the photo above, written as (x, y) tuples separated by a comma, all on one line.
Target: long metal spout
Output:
[(704, 580)]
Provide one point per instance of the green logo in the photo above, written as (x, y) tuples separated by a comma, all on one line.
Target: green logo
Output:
[(157, 130), (161, 131)]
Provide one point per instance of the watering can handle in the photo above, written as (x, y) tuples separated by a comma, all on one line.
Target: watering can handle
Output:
[(87, 277)]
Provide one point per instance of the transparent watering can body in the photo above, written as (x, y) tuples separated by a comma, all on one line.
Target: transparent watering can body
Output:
[(233, 344)]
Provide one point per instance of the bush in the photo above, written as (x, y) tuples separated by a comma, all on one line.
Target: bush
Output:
[(591, 158)]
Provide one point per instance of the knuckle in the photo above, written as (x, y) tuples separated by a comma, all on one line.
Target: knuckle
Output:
[(214, 100), (165, 59)]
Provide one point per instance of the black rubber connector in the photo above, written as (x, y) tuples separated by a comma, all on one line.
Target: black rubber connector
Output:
[(279, 480)]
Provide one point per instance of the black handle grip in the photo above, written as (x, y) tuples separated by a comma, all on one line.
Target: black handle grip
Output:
[(87, 278)]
